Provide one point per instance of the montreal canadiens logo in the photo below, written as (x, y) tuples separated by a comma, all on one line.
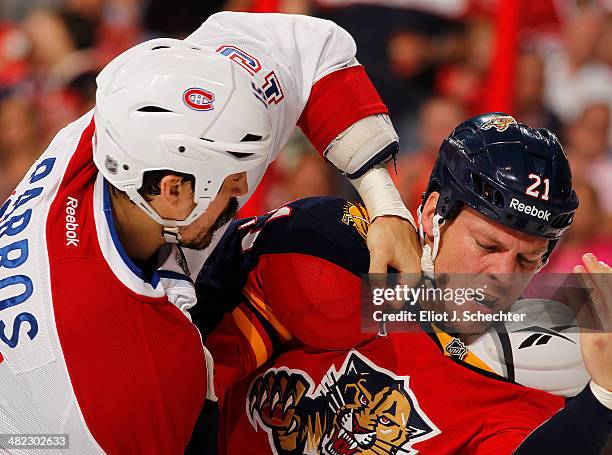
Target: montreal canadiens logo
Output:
[(199, 99)]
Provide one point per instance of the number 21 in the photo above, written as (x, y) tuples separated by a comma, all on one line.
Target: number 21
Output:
[(531, 189)]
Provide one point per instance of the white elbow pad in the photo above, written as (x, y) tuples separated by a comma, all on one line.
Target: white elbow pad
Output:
[(366, 143)]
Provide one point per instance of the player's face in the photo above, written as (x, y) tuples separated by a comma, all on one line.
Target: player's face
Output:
[(198, 235), (476, 252)]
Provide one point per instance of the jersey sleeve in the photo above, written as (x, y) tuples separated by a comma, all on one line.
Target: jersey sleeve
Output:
[(305, 68), (309, 295), (583, 426), (233, 354), (288, 298), (302, 265), (509, 426)]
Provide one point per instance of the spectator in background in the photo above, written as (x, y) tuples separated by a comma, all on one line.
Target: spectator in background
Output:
[(114, 25), (52, 47), (574, 76), (19, 145), (49, 40), (13, 50), (437, 119), (179, 19), (398, 44), (529, 105), (464, 78), (587, 233), (311, 177), (588, 150)]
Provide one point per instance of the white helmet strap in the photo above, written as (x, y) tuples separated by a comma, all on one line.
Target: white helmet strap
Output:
[(171, 233), (429, 254)]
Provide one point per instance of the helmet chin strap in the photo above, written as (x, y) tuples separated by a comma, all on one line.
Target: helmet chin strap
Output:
[(429, 254), (171, 227), (172, 235)]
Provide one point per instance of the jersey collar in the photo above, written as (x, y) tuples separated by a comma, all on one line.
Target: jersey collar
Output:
[(124, 268)]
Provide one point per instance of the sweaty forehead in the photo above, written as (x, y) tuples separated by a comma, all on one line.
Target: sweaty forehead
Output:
[(478, 224)]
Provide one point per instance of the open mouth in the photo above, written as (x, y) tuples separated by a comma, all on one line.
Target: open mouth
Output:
[(341, 443)]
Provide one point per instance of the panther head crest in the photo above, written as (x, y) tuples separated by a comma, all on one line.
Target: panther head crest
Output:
[(360, 409)]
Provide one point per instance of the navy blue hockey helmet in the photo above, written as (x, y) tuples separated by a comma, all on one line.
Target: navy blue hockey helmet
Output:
[(515, 175)]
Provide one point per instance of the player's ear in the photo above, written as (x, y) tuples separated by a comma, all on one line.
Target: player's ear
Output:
[(172, 190), (429, 210), (238, 183)]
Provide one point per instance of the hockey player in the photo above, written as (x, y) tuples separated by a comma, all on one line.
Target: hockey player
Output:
[(291, 289), (90, 344)]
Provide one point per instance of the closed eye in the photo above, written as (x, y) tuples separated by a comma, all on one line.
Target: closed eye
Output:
[(487, 248), (526, 261)]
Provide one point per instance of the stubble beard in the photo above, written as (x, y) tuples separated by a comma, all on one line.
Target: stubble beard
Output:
[(204, 239)]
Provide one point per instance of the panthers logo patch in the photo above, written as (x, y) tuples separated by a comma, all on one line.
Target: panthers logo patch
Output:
[(357, 216), (360, 409), (500, 123)]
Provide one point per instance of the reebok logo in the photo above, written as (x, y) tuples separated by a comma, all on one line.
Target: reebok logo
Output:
[(72, 238), (529, 210)]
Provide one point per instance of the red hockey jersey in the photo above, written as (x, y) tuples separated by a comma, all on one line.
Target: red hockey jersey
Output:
[(294, 297)]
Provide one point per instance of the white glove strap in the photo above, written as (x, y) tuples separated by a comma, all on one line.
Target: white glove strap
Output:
[(603, 396), (210, 376), (380, 194)]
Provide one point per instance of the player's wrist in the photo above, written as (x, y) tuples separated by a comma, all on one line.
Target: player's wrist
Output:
[(380, 195)]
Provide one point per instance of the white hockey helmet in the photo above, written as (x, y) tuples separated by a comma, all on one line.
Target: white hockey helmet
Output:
[(170, 105)]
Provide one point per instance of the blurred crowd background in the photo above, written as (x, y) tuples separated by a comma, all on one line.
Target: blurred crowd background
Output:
[(431, 60)]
